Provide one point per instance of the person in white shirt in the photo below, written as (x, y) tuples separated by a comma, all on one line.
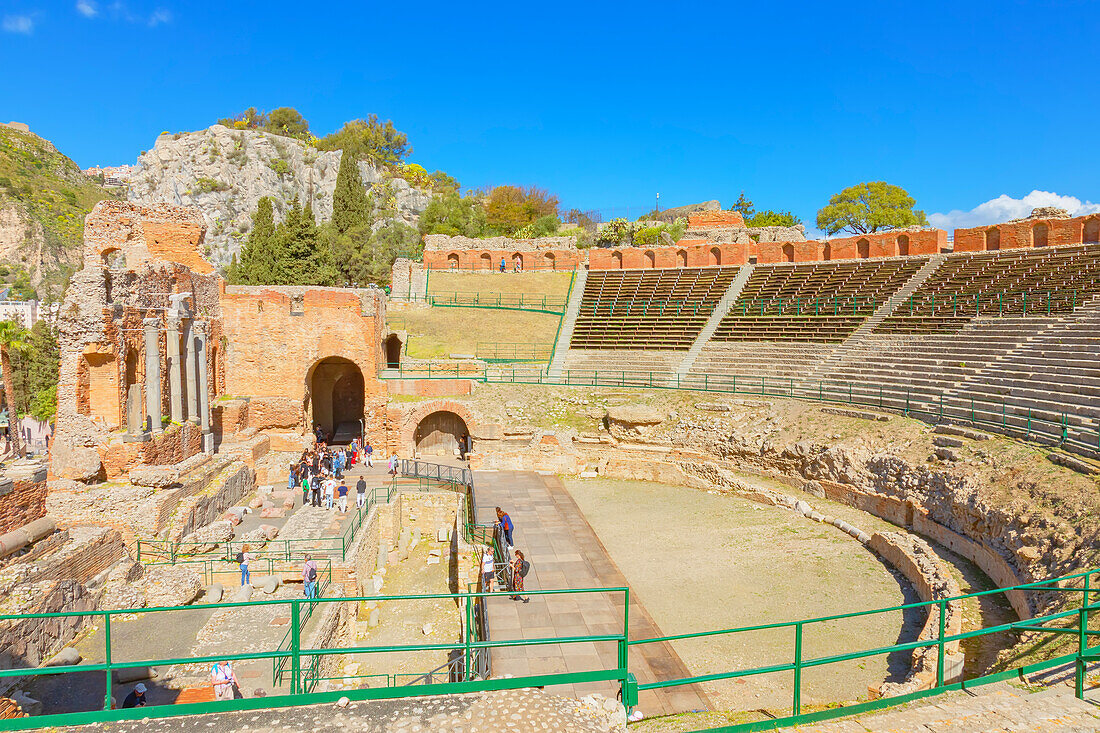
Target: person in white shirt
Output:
[(487, 570), (330, 489)]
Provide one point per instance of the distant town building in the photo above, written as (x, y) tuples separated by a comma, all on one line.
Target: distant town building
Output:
[(22, 311), (113, 175), (20, 126)]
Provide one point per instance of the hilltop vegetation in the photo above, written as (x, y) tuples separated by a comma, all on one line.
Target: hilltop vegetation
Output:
[(44, 198)]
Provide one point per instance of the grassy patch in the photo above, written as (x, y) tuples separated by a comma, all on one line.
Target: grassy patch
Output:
[(438, 332), (533, 283)]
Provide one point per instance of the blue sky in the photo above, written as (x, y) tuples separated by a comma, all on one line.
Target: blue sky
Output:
[(605, 105)]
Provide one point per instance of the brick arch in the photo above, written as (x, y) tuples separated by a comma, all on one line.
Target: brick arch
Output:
[(452, 261), (407, 436), (1091, 230), (1040, 234)]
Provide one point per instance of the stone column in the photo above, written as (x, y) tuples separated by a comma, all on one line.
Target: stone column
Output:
[(190, 370), (175, 387), (152, 374), (203, 387)]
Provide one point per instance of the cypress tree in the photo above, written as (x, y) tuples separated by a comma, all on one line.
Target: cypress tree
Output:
[(350, 207), (260, 255), (303, 262)]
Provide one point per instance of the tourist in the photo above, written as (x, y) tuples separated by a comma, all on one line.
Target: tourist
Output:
[(309, 577), (330, 490), (319, 433), (503, 265), (305, 488), (244, 557), (342, 496), (292, 478), (368, 451), (505, 524), (487, 570), (136, 698), (393, 464), (224, 680), (315, 490), (360, 492), (462, 442), (520, 568)]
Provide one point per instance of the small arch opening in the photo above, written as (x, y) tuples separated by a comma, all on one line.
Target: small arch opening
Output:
[(617, 260), (486, 261), (788, 252), (649, 260), (452, 260), (1040, 235), (1092, 230), (439, 434), (715, 256), (993, 238), (863, 248), (392, 346), (903, 244), (113, 259), (682, 257)]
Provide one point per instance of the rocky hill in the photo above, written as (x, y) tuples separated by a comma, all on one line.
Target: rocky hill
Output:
[(225, 172), (44, 198)]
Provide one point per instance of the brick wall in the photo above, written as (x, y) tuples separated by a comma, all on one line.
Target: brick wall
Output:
[(489, 259), (1026, 233), (22, 498), (686, 253), (145, 233), (716, 220)]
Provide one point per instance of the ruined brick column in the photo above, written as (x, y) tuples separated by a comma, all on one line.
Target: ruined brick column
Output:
[(175, 387), (203, 386), (190, 366), (152, 373)]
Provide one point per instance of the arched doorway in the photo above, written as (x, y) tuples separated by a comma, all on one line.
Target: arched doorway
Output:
[(715, 256), (113, 259), (1092, 231), (993, 239), (517, 262), (486, 261), (392, 346), (135, 413), (617, 260), (1040, 234), (903, 245), (788, 252), (335, 392), (548, 261), (438, 434), (682, 258), (452, 261), (649, 260), (863, 248)]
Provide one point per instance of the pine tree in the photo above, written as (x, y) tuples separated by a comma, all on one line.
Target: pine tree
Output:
[(260, 256), (305, 253), (350, 207)]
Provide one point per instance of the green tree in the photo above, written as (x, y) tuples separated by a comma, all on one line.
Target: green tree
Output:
[(369, 139), (35, 369), (364, 257), (13, 340), (744, 206), (868, 208), (545, 225), (454, 215), (287, 121), (510, 208), (44, 404), (769, 218), (305, 255), (261, 254), (350, 207)]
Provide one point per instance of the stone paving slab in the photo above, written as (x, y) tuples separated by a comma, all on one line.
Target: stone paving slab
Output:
[(508, 711), (564, 552)]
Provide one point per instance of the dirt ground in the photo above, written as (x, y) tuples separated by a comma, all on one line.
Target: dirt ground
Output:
[(703, 561), (528, 283)]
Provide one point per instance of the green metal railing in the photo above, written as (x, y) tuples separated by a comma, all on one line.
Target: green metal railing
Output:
[(299, 660), (512, 351), (833, 306), (553, 304), (1011, 303), (494, 266), (1064, 428)]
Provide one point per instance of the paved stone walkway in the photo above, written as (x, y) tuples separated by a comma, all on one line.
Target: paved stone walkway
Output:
[(508, 711), (564, 552), (999, 707)]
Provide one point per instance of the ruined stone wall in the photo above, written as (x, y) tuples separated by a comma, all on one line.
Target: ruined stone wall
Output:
[(22, 498), (1038, 231), (145, 234), (276, 336), (408, 280), (101, 331)]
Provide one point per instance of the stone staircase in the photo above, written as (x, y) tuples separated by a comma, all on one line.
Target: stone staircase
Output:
[(568, 322), (720, 311), (857, 344)]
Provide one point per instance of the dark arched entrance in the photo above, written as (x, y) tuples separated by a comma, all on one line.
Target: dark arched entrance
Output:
[(438, 434), (392, 346), (336, 396)]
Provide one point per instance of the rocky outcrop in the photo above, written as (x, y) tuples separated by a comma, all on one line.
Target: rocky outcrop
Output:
[(224, 173), (171, 585)]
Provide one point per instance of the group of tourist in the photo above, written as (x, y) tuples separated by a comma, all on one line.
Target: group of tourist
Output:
[(518, 567), (319, 473), (222, 678)]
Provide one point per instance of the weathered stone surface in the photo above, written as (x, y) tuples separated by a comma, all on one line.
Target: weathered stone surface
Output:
[(79, 464), (212, 535), (158, 477), (267, 584), (635, 415), (213, 593), (66, 657), (269, 531), (943, 441), (242, 594), (171, 585)]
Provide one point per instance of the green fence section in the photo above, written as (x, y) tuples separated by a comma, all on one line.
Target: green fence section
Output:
[(299, 660), (842, 306), (553, 304), (510, 351), (1077, 430)]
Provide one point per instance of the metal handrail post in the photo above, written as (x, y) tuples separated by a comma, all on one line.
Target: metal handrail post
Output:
[(940, 662), (107, 659), (796, 706), (295, 647)]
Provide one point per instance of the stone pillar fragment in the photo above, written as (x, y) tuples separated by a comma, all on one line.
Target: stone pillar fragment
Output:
[(190, 370), (203, 386), (175, 385), (152, 374)]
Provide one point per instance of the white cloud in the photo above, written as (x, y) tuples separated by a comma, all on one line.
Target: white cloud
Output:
[(160, 15), (87, 8), (1004, 207), (19, 24)]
